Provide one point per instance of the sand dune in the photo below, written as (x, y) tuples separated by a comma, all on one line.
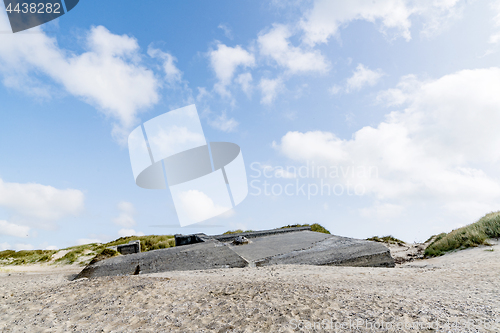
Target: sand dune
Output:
[(459, 289)]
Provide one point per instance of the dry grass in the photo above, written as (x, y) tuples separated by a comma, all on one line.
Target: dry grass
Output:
[(386, 239), (314, 227), (82, 254), (472, 235)]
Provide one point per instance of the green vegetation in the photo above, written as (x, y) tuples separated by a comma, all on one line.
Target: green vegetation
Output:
[(104, 254), (435, 238), (386, 239), (23, 257), (314, 227), (472, 235), (82, 253), (148, 243)]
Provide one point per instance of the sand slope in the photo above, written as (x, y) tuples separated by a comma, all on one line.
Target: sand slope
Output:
[(460, 286)]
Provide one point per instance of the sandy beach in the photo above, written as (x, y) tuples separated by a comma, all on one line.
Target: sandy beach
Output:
[(458, 292)]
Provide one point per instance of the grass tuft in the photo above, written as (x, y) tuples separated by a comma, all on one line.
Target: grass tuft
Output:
[(104, 254), (386, 239), (23, 257), (472, 235), (314, 227), (148, 243)]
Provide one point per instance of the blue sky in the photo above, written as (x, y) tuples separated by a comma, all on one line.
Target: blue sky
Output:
[(407, 88)]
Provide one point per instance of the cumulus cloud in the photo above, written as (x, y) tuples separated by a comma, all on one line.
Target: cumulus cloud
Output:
[(40, 201), (275, 44), (223, 123), (11, 229), (495, 37), (169, 140), (224, 61), (327, 16), (5, 246), (172, 73), (126, 217), (227, 31), (269, 89), (441, 148), (198, 206), (107, 75), (129, 232), (360, 78), (245, 80)]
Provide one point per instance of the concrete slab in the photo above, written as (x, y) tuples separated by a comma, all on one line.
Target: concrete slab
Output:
[(338, 251), (265, 248), (207, 255), (268, 246)]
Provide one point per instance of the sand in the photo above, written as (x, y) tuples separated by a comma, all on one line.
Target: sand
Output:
[(458, 292)]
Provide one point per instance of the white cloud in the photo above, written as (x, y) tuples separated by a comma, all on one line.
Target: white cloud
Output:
[(126, 217), (269, 89), (198, 206), (21, 246), (172, 73), (5, 246), (225, 60), (40, 201), (441, 150), (129, 232), (362, 77), (202, 93), (227, 31), (495, 37), (275, 44), (11, 229), (245, 80), (223, 123), (108, 75), (170, 140), (51, 247), (327, 16), (335, 89)]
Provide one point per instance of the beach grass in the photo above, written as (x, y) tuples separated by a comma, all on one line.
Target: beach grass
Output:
[(24, 257), (472, 235), (386, 239), (314, 227), (82, 253)]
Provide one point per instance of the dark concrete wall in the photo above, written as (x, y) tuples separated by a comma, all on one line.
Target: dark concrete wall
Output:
[(207, 255), (132, 247)]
